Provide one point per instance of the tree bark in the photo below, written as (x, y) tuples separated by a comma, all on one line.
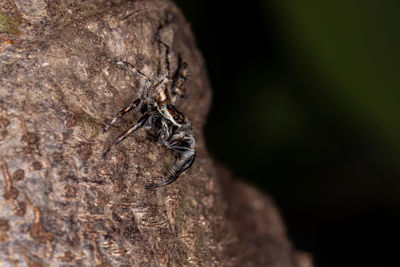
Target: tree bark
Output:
[(61, 202)]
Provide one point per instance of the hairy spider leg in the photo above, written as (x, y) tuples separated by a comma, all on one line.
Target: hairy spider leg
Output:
[(184, 163), (134, 103), (181, 74), (179, 79), (131, 67), (138, 125), (166, 55), (122, 112), (146, 84), (163, 134), (188, 155)]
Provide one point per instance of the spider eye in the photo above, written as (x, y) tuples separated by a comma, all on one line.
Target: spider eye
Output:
[(180, 121), (173, 112), (176, 117)]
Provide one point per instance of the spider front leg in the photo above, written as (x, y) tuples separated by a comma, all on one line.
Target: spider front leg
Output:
[(130, 67), (121, 113), (164, 133), (145, 85), (179, 79), (186, 146), (139, 124)]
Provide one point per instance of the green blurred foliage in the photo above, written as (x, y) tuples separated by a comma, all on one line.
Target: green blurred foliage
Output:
[(352, 48)]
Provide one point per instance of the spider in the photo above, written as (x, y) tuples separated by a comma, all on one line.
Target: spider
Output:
[(156, 103)]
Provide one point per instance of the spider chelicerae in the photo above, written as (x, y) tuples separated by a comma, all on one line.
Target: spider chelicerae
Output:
[(156, 99)]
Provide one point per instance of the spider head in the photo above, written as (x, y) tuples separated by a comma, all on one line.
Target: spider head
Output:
[(167, 110), (177, 116), (171, 113)]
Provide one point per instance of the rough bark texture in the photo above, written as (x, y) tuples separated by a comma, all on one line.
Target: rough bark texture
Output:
[(61, 203)]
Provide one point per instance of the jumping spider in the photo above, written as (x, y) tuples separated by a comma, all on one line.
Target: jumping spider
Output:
[(156, 102)]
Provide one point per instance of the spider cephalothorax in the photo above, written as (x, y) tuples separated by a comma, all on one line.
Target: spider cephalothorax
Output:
[(156, 103)]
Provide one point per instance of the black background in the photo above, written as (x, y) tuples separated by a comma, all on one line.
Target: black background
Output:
[(305, 107)]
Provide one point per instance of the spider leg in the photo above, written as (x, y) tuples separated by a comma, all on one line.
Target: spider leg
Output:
[(188, 163), (179, 79), (166, 54), (130, 66), (184, 162), (163, 134), (135, 103), (138, 125), (145, 82), (121, 113), (133, 69)]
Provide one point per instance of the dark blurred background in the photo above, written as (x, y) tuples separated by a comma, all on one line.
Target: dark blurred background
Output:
[(307, 108)]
